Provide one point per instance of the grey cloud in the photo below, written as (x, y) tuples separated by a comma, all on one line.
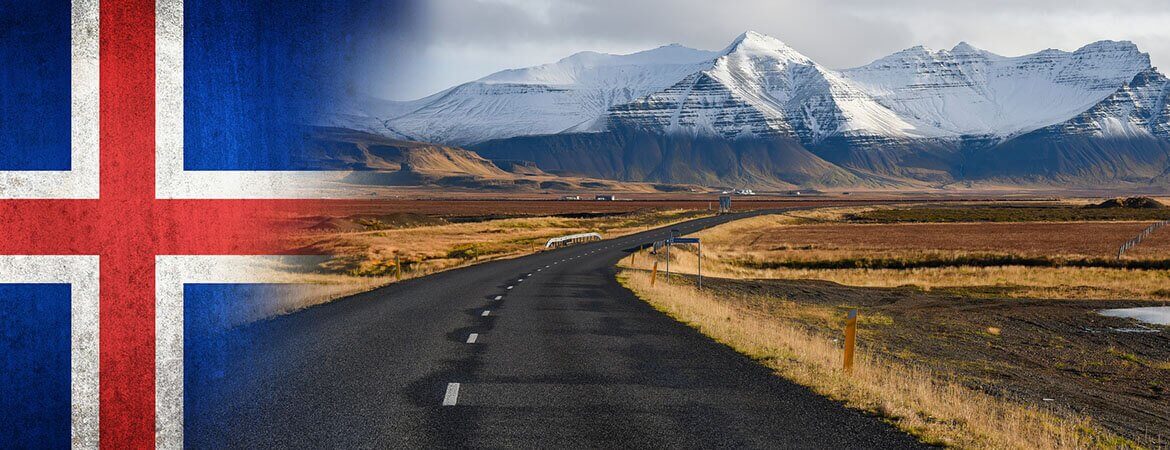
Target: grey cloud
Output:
[(471, 38)]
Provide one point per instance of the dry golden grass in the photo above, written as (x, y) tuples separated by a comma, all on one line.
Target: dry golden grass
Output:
[(428, 249), (749, 249), (1001, 281), (1070, 239), (365, 260), (924, 403)]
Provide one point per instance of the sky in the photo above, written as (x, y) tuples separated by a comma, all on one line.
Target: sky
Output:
[(454, 41)]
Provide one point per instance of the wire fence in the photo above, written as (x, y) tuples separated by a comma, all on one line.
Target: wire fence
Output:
[(1140, 237)]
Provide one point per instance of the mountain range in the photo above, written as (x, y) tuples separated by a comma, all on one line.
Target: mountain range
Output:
[(759, 113)]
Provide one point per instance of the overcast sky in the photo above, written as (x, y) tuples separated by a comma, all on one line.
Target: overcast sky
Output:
[(460, 40)]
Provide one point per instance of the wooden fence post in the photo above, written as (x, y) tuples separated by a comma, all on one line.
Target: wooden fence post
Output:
[(850, 339), (654, 273), (397, 267)]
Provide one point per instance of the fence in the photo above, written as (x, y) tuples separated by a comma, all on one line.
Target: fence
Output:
[(1140, 237)]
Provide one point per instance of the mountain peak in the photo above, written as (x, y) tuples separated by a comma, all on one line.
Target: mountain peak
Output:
[(964, 47), (917, 51), (754, 38), (1111, 45), (756, 43), (1121, 49), (753, 35)]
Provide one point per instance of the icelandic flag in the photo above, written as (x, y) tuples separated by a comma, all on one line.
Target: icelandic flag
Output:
[(142, 143)]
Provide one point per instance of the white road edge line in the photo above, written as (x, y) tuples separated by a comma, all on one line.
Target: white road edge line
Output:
[(472, 337), (452, 394)]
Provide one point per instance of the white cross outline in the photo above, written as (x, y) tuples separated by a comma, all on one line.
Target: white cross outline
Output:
[(171, 181), (81, 180), (172, 273), (80, 272)]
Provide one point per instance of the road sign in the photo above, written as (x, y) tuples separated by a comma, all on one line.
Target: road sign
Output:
[(681, 240)]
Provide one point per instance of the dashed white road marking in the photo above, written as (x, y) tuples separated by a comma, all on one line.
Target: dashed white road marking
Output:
[(485, 313), (471, 338), (510, 287), (531, 274), (452, 394), (499, 297)]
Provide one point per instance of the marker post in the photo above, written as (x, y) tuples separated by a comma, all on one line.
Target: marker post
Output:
[(850, 339)]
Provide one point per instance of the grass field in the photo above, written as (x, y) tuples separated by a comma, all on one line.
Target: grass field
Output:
[(432, 247), (998, 317), (372, 243), (1075, 260), (1028, 213), (935, 406), (368, 250)]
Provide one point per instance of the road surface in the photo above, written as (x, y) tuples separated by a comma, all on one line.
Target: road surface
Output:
[(546, 350)]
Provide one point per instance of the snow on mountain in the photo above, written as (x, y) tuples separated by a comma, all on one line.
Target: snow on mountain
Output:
[(545, 99), (968, 91), (1140, 109), (758, 86)]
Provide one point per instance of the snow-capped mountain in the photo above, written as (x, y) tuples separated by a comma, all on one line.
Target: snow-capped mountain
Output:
[(544, 99), (1140, 109), (968, 91), (1124, 137), (918, 114), (758, 86)]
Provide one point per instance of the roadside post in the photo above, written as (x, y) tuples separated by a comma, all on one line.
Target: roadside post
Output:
[(654, 273), (850, 339), (700, 243), (397, 267), (670, 242), (667, 245)]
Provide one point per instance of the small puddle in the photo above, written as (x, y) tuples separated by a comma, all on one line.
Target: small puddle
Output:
[(1159, 315)]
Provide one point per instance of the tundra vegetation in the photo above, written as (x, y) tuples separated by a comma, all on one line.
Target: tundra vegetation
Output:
[(979, 324), (366, 251)]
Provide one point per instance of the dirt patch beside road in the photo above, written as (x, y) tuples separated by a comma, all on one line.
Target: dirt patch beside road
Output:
[(1052, 353)]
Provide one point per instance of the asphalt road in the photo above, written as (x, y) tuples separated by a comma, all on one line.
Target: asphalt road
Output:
[(562, 356)]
